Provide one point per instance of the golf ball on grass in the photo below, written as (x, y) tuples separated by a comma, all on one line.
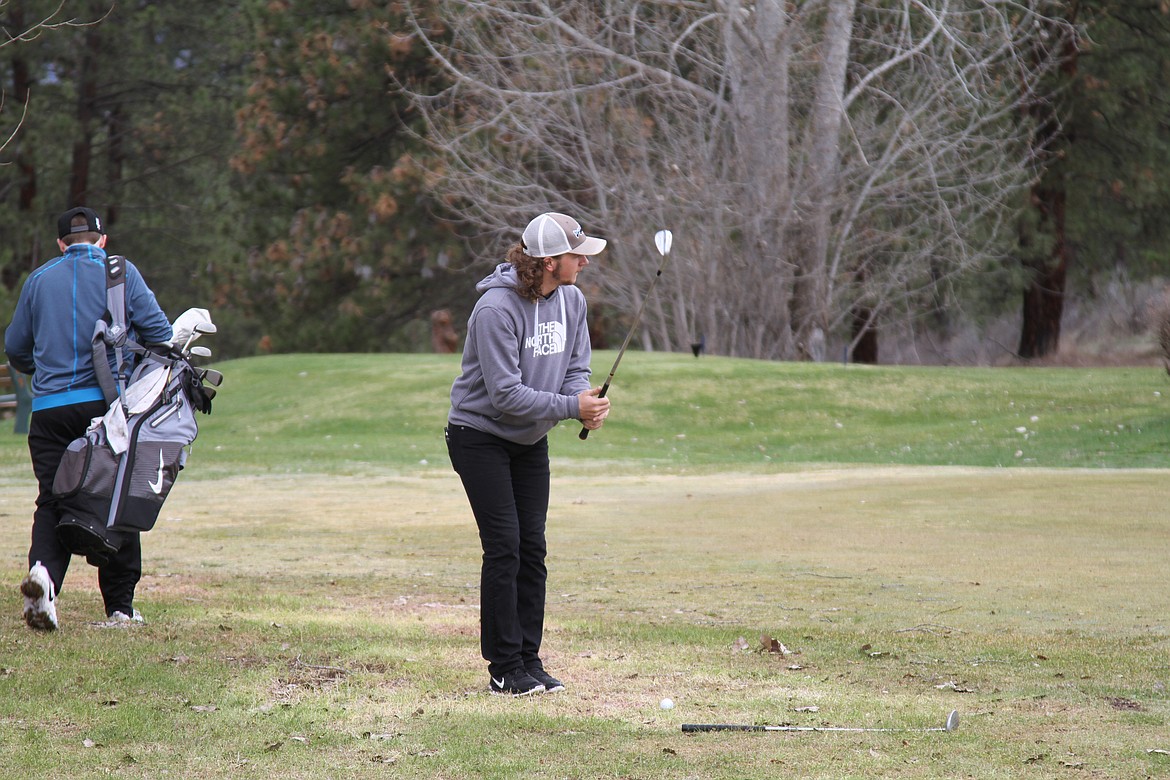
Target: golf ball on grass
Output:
[(666, 704)]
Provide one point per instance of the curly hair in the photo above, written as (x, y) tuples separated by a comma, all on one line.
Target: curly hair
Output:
[(529, 271)]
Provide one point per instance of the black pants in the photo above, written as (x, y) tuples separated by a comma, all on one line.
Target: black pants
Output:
[(49, 434), (507, 485)]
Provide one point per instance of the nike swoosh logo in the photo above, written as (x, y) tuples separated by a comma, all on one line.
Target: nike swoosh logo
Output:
[(499, 683), (157, 486)]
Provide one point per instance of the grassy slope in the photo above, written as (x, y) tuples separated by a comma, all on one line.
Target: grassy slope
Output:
[(320, 627), (362, 413)]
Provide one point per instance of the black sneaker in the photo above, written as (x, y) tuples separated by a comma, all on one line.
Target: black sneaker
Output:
[(550, 683), (515, 683)]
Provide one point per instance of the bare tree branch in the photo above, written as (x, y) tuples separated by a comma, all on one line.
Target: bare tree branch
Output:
[(825, 165), (30, 32), (19, 122)]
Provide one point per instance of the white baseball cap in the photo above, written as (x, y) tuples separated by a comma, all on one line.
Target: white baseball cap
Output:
[(553, 234)]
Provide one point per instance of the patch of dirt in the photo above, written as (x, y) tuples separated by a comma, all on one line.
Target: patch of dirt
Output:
[(1073, 358), (173, 586), (1125, 705)]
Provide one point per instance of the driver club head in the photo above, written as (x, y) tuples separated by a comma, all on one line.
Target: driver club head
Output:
[(663, 239), (197, 330), (200, 352)]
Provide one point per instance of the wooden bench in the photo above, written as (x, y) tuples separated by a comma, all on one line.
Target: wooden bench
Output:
[(15, 397), (7, 390)]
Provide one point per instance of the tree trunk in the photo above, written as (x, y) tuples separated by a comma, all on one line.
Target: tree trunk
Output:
[(758, 74), (1044, 296), (865, 338), (24, 257), (86, 116), (863, 331), (811, 288), (116, 129)]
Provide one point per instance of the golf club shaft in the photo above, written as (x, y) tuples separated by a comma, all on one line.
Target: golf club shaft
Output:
[(744, 727), (629, 335), (633, 327), (695, 727), (952, 723)]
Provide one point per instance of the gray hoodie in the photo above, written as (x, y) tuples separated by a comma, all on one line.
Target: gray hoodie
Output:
[(524, 362)]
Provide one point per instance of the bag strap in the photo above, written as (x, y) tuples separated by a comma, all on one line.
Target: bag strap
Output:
[(113, 333)]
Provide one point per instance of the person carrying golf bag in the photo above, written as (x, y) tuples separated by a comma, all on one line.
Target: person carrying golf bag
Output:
[(112, 481), (525, 368), (51, 337)]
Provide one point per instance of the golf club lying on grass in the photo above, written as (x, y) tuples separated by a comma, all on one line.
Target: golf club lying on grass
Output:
[(662, 239), (951, 725)]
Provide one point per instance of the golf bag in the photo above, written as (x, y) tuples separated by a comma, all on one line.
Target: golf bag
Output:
[(112, 481)]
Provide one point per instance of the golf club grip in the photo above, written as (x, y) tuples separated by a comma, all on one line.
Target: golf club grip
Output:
[(693, 727), (584, 434)]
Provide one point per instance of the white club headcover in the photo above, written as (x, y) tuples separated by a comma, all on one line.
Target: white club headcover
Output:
[(185, 324)]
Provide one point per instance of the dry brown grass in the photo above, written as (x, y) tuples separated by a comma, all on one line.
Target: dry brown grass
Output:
[(333, 609)]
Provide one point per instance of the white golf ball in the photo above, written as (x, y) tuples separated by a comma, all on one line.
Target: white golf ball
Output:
[(666, 704)]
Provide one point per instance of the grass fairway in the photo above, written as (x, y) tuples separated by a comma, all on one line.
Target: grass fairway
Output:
[(311, 589)]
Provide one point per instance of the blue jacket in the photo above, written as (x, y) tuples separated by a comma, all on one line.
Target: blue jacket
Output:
[(51, 333)]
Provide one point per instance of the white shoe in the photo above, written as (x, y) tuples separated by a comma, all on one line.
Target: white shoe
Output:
[(40, 599), (119, 619)]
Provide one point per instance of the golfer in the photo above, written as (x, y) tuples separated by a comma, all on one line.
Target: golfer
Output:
[(50, 337), (525, 368)]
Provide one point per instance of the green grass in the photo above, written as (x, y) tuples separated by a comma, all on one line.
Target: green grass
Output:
[(311, 588), (358, 414)]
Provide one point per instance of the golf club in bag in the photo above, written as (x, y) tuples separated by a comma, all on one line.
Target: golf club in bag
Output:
[(113, 481), (662, 240)]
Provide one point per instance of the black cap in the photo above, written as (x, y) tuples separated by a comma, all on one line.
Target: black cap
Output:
[(93, 223)]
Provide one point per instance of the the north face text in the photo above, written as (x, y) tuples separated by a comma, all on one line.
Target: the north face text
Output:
[(549, 339)]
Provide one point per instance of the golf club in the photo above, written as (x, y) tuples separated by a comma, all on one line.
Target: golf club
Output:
[(199, 352), (951, 725), (662, 239), (198, 330), (210, 376)]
